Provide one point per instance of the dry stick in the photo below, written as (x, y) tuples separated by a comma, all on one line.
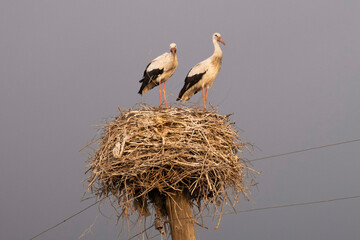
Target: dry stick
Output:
[(221, 212)]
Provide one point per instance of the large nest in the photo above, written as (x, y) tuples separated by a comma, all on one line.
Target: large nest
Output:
[(149, 153)]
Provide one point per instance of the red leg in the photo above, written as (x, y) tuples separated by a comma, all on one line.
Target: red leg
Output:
[(206, 94), (165, 94), (160, 92), (203, 95)]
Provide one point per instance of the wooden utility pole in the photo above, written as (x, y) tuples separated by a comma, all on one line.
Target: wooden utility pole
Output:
[(180, 216)]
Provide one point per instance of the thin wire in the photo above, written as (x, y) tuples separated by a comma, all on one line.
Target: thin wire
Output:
[(66, 219), (159, 234), (304, 150), (283, 206), (298, 204), (265, 208), (241, 211), (142, 231)]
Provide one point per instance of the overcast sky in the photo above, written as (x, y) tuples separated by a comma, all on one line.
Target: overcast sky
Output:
[(290, 76)]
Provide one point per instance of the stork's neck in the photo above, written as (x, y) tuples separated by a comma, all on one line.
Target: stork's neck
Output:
[(173, 61), (217, 49)]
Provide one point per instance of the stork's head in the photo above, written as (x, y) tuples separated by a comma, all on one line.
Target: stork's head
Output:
[(173, 48), (217, 37)]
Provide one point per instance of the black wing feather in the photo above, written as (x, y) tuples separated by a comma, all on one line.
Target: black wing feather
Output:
[(149, 77), (189, 82)]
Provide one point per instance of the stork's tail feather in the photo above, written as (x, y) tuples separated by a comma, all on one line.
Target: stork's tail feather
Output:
[(179, 98), (183, 90), (143, 85)]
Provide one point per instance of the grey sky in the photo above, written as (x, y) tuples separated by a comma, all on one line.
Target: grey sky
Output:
[(290, 75)]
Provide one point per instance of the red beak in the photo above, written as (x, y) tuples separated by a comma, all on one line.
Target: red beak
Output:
[(173, 50), (220, 40)]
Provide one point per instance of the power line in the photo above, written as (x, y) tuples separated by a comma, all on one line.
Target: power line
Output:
[(241, 211), (66, 219), (299, 204), (265, 208), (304, 150), (253, 160), (283, 206), (142, 231)]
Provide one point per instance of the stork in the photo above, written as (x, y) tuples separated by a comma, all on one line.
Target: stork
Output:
[(158, 71), (203, 74)]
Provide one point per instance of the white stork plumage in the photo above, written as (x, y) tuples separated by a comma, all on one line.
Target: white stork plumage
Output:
[(158, 71), (203, 74)]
